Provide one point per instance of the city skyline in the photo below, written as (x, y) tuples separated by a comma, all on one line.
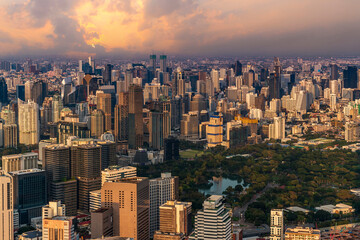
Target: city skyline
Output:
[(182, 27)]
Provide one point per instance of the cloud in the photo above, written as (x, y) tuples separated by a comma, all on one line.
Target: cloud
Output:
[(182, 27)]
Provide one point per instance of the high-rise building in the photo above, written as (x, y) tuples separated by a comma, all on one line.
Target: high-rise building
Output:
[(3, 91), (30, 193), (163, 189), (20, 92), (102, 224), (61, 187), (104, 104), (238, 68), (10, 135), (350, 77), (152, 62), (159, 128), (57, 106), (97, 123), (6, 207), (107, 73), (213, 221), (215, 75), (190, 125), (35, 91), (275, 81), (95, 200), (17, 162), (55, 224), (171, 148), (86, 168), (122, 118), (334, 74), (136, 130), (163, 63), (299, 233), (277, 224), (129, 200), (277, 129), (29, 122), (115, 173), (108, 154), (8, 115), (175, 221), (214, 131)]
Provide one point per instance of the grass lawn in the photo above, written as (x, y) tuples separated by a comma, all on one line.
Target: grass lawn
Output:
[(186, 154)]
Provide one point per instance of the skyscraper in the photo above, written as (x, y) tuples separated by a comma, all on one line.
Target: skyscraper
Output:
[(10, 135), (108, 154), (61, 186), (175, 220), (29, 122), (350, 77), (6, 207), (277, 224), (213, 221), (35, 91), (163, 63), (104, 104), (30, 193), (57, 106), (159, 128), (122, 118), (97, 123), (165, 188), (275, 81), (334, 74), (129, 199), (107, 73), (136, 130), (277, 129), (238, 68), (3, 91), (86, 168), (214, 130)]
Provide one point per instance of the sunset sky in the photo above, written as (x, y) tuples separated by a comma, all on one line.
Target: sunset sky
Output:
[(181, 27)]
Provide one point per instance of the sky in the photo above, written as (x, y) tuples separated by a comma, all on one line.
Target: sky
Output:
[(80, 28)]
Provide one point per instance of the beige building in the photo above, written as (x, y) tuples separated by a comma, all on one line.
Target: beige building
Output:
[(129, 199), (29, 122), (300, 233), (60, 228), (190, 125), (17, 162), (6, 207), (10, 135), (104, 104), (214, 131), (175, 220)]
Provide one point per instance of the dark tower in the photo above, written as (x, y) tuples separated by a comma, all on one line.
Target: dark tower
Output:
[(3, 91), (136, 131), (350, 77), (238, 68), (107, 74), (334, 72)]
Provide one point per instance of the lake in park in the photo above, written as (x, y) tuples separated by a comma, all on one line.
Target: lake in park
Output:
[(219, 185)]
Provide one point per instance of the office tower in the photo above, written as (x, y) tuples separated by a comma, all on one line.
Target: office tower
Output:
[(159, 128), (213, 221), (57, 106), (80, 65), (20, 92), (163, 64), (6, 207), (95, 200), (277, 224), (171, 148), (86, 168), (122, 118), (35, 91), (104, 104), (3, 91), (152, 62), (97, 123), (275, 81), (10, 135), (175, 220), (352, 132), (136, 130), (209, 85), (55, 224), (300, 233), (107, 74), (198, 103), (162, 189), (108, 154), (334, 74), (115, 173), (333, 100), (277, 129), (215, 79), (129, 200), (29, 124), (350, 77), (101, 223), (8, 115), (16, 162), (214, 131), (61, 187), (30, 193), (238, 68), (190, 125)]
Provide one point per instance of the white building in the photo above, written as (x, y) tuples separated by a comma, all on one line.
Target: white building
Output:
[(53, 209), (116, 173), (215, 75), (277, 129), (162, 189), (300, 233), (213, 221), (29, 122), (7, 207), (17, 162), (277, 224)]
